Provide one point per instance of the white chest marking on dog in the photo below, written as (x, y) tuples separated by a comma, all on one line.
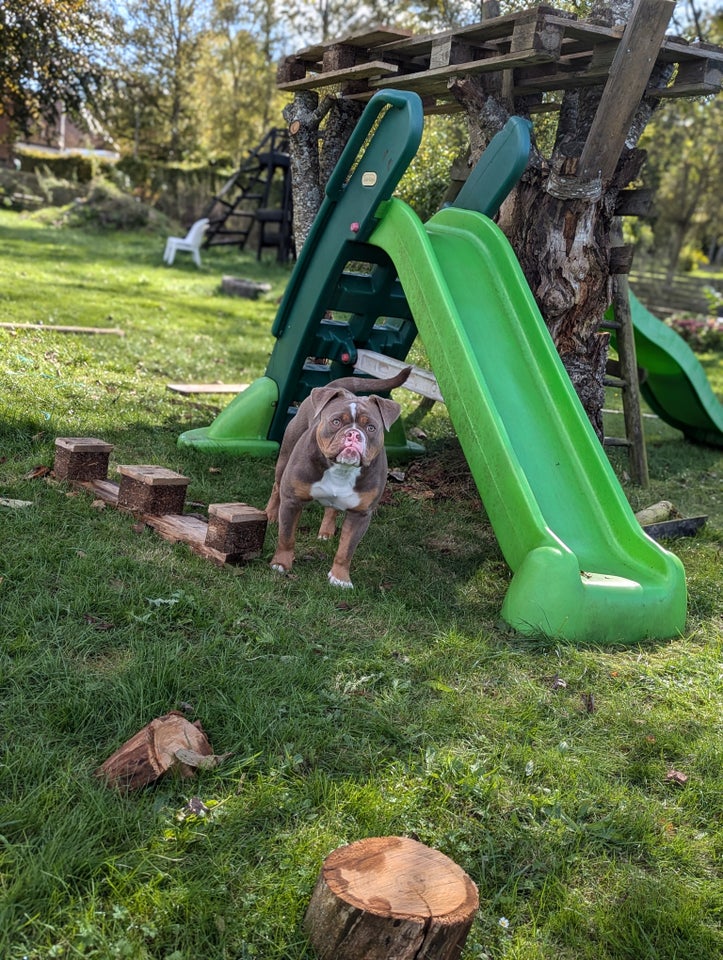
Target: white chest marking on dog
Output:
[(336, 487)]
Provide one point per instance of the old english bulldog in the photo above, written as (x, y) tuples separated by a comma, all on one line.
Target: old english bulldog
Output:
[(333, 452)]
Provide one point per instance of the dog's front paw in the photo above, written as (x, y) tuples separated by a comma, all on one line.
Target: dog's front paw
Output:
[(279, 568), (336, 582)]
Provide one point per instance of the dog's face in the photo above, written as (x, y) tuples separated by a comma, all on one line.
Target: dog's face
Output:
[(350, 429)]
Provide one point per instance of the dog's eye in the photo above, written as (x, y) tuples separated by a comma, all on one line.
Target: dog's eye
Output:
[(371, 428), (336, 422)]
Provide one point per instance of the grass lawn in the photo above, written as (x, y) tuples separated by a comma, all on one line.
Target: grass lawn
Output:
[(403, 707)]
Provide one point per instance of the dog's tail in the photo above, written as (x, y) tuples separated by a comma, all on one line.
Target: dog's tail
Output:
[(370, 384)]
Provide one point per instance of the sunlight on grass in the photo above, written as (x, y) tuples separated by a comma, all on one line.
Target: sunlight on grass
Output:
[(579, 787)]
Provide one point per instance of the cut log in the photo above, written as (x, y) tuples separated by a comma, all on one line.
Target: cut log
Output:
[(390, 897), (238, 287), (152, 490), (166, 742), (656, 513), (81, 458)]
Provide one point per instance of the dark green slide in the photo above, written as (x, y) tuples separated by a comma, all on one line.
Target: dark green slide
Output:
[(675, 386)]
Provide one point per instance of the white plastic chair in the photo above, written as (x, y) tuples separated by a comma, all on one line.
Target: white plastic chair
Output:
[(191, 243)]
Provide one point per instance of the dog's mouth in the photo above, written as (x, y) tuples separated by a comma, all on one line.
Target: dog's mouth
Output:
[(353, 448)]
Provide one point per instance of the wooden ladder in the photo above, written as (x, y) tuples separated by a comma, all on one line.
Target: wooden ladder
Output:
[(623, 373)]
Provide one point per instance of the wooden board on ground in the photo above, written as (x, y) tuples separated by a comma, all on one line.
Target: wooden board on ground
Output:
[(176, 528), (53, 328), (189, 388)]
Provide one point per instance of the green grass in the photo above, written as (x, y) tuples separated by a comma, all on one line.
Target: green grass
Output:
[(400, 708)]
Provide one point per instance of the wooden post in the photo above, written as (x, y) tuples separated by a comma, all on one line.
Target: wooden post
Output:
[(236, 530), (81, 458), (152, 490), (386, 897), (637, 453), (629, 74)]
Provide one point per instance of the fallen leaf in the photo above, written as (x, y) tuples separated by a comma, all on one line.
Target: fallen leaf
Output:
[(138, 527), (558, 683), (196, 807), (36, 472), (397, 475), (14, 504), (98, 504), (675, 776), (97, 623), (214, 470)]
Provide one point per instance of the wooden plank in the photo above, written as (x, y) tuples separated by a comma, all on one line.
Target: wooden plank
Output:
[(629, 75), (176, 528), (104, 490), (49, 327), (694, 78), (361, 72), (419, 381), (375, 36), (430, 80), (190, 388)]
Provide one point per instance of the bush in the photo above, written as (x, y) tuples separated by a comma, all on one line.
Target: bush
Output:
[(77, 168), (108, 208), (703, 334)]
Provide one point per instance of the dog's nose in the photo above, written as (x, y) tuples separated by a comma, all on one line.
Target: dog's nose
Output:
[(353, 435)]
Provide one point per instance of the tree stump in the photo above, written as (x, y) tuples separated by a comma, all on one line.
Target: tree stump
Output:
[(81, 458), (390, 898), (152, 490)]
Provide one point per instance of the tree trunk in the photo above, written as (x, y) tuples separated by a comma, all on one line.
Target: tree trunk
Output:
[(559, 223), (386, 897), (340, 122), (303, 115)]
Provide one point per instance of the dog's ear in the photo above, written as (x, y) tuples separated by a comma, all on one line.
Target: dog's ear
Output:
[(389, 410), (320, 396)]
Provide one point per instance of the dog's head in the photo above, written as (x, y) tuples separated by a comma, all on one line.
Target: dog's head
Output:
[(350, 429)]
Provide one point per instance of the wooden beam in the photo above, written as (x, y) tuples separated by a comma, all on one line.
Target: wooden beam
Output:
[(376, 68), (54, 328), (629, 75)]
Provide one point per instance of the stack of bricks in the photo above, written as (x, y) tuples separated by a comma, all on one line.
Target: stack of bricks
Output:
[(234, 533)]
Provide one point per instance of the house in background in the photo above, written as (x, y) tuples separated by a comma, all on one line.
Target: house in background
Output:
[(64, 137)]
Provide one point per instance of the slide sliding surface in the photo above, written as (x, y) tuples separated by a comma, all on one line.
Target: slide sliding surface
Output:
[(675, 385), (583, 568)]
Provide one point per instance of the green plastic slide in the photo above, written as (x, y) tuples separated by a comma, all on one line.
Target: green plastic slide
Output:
[(583, 568), (675, 386)]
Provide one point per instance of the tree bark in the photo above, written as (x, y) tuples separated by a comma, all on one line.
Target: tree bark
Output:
[(340, 122), (304, 115)]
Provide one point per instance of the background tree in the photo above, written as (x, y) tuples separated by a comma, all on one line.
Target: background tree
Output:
[(156, 56), (49, 56), (685, 159), (235, 98)]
